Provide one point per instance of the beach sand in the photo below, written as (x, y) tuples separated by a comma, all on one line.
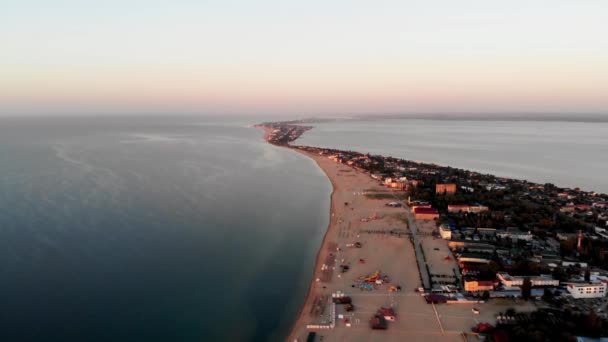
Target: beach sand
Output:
[(353, 213), (358, 211)]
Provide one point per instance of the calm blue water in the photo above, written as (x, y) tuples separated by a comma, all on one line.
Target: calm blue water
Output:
[(569, 154), (126, 229)]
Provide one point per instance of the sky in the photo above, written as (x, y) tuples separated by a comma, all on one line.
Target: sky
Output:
[(303, 57)]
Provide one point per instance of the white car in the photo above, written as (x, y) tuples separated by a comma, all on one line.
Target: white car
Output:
[(475, 311)]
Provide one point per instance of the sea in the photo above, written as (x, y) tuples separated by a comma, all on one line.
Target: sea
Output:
[(153, 229), (567, 154), (194, 229)]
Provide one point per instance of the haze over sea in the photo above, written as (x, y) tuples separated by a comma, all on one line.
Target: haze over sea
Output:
[(568, 154), (153, 229)]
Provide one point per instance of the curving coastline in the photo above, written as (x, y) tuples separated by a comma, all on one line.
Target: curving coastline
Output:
[(361, 214), (300, 320), (307, 303)]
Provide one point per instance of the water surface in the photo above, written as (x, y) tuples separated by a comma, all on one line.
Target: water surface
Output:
[(155, 229), (569, 154)]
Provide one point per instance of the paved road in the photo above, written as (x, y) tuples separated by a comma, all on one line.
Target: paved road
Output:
[(424, 274), (426, 282)]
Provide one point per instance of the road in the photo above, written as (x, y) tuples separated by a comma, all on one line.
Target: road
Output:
[(424, 274)]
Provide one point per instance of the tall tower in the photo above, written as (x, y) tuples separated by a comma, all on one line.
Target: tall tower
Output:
[(580, 239)]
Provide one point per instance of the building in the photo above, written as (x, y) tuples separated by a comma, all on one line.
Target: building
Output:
[(587, 290), (515, 235), (474, 285), (399, 186), (474, 258), (478, 208), (456, 208), (426, 213), (445, 232), (487, 232), (575, 264), (445, 188), (513, 281), (413, 207)]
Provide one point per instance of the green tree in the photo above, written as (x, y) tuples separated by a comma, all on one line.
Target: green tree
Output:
[(548, 295), (560, 274), (526, 288)]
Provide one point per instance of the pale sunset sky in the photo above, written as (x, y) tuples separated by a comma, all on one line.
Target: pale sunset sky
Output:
[(303, 57)]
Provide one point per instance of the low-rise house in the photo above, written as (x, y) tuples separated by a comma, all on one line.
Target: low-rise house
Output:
[(445, 188), (474, 258), (474, 285), (413, 207), (587, 290), (426, 213), (513, 281), (478, 208), (515, 235), (566, 263), (456, 208), (445, 232), (486, 232)]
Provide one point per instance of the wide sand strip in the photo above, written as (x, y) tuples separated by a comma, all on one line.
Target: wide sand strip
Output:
[(355, 217)]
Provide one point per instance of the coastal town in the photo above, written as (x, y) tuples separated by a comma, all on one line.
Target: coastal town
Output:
[(420, 251)]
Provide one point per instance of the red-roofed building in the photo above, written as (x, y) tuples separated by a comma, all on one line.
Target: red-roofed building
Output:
[(426, 213), (478, 285), (413, 207)]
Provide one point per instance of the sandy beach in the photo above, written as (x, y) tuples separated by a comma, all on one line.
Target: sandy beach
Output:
[(368, 239), (359, 214), (352, 213)]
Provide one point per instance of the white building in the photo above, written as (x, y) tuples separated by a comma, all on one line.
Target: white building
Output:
[(511, 281), (445, 232), (587, 290), (526, 236), (574, 263)]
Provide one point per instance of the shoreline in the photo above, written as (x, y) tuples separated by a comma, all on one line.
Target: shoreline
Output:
[(301, 316), (367, 238), (347, 224), (318, 260), (352, 222)]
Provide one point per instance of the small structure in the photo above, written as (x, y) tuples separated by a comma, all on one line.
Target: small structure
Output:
[(511, 281), (426, 213), (587, 290), (474, 285), (474, 258), (445, 232), (456, 208), (445, 188)]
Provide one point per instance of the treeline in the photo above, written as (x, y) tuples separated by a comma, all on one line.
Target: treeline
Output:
[(556, 325)]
